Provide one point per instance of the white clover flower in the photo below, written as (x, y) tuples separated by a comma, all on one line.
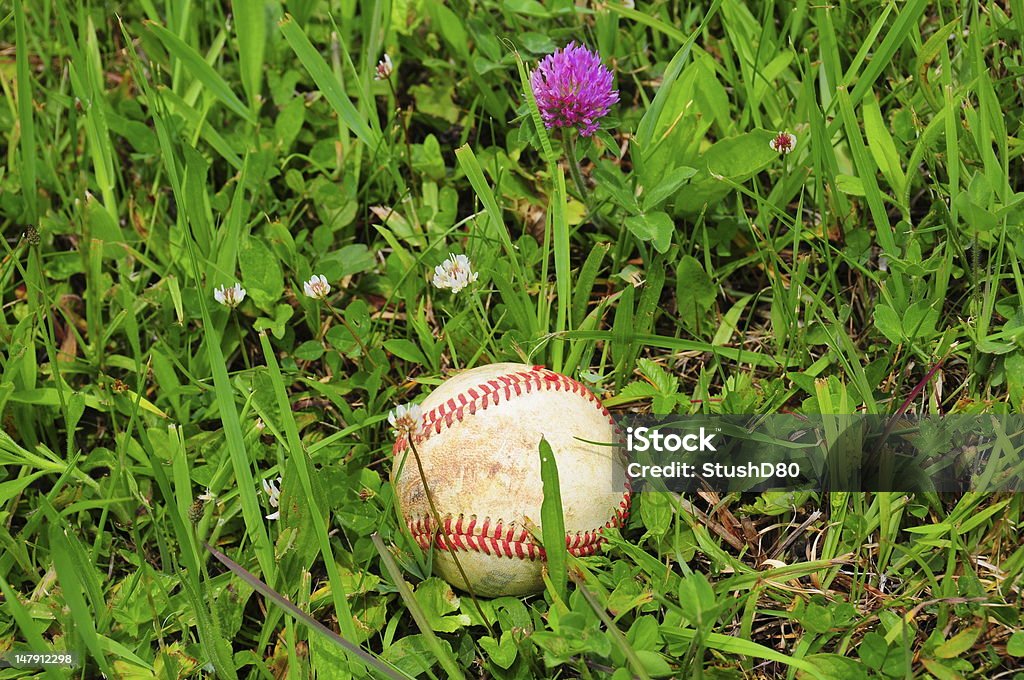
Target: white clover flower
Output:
[(317, 287), (455, 273), (229, 297), (783, 143), (405, 418), (273, 492), (384, 68)]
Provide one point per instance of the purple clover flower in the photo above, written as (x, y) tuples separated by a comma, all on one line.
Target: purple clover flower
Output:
[(573, 89)]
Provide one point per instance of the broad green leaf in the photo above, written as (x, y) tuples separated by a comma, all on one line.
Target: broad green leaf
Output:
[(656, 665), (405, 349), (816, 619), (977, 217), (1015, 645), (878, 655), (552, 520), (354, 258), (697, 600), (276, 325), (958, 644), (695, 291), (656, 512), (664, 187), (643, 634), (849, 184), (451, 27), (728, 162), (438, 600), (888, 322), (412, 654), (261, 272), (920, 319), (833, 667), (656, 227), (311, 350), (501, 652), (740, 157)]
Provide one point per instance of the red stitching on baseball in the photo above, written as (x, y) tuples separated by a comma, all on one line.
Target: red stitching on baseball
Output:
[(503, 540), (452, 535)]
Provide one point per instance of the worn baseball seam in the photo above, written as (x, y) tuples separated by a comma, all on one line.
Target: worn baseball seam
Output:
[(498, 538)]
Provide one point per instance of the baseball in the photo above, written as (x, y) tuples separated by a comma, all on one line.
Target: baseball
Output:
[(477, 441)]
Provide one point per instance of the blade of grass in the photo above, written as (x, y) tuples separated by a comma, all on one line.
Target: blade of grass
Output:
[(291, 430), (223, 390), (448, 662), (617, 637), (72, 589), (225, 399), (26, 120), (231, 235), (729, 644), (623, 344), (645, 129), (196, 592), (585, 282), (904, 26), (648, 20), (200, 126), (499, 232), (327, 82), (665, 342), (251, 30), (866, 170), (86, 75), (202, 71), (378, 665)]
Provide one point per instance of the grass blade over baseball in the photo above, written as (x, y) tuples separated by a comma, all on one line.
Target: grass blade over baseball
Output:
[(552, 522)]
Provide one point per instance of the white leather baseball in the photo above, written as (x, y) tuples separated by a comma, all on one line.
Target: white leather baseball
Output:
[(478, 442)]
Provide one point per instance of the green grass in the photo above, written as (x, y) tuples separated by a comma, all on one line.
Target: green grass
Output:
[(154, 152)]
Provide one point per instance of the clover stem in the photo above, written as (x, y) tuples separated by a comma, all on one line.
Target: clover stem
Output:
[(437, 530), (574, 164), (405, 132), (355, 336), (569, 142), (241, 346)]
